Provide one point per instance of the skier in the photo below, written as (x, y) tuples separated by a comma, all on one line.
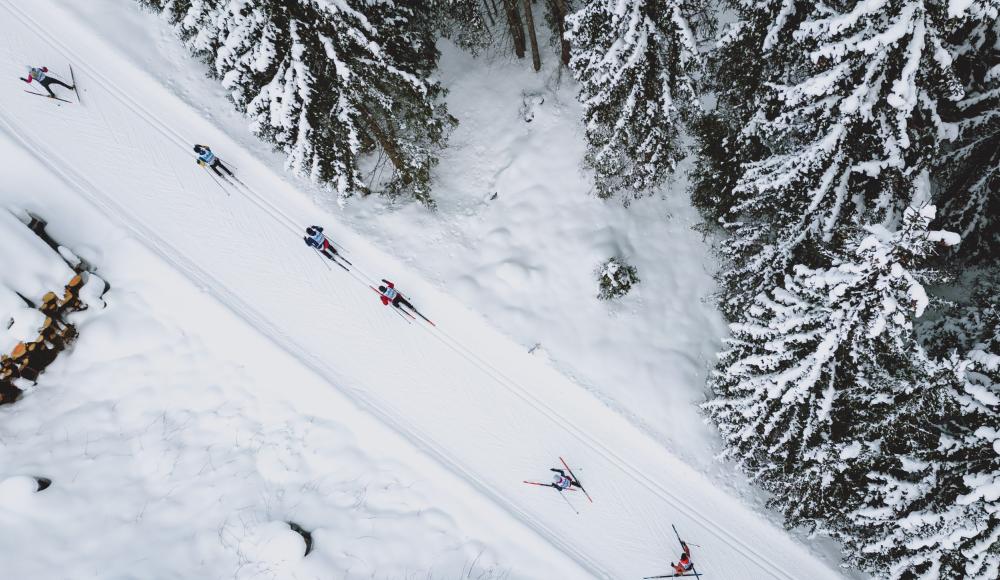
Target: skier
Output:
[(38, 74), (561, 481), (315, 238), (684, 565), (208, 159), (390, 294)]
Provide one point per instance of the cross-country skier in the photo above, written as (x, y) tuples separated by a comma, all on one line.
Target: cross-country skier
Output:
[(684, 565), (37, 73), (208, 159), (315, 238), (561, 481), (390, 294)]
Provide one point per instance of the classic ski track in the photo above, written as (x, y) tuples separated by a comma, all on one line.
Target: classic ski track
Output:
[(282, 340)]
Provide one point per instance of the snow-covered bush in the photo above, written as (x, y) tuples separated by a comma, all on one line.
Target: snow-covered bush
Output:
[(615, 278)]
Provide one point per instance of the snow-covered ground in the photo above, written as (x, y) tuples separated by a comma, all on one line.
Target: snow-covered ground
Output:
[(526, 259), (466, 395), (179, 441)]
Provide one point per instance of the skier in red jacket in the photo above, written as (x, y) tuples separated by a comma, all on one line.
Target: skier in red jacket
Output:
[(684, 565), (38, 74), (388, 293)]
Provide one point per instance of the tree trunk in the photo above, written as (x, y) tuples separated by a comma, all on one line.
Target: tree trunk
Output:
[(561, 14), (387, 145), (536, 59), (489, 13), (516, 27)]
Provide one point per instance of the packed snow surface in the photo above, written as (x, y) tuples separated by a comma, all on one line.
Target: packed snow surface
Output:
[(463, 393), (180, 443)]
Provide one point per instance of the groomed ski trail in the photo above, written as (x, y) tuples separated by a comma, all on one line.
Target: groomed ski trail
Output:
[(492, 420)]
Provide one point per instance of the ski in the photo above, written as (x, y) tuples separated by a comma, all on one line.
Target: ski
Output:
[(73, 78), (47, 96), (324, 258), (342, 258), (346, 269), (376, 290), (686, 550), (576, 479), (224, 190), (545, 485), (429, 321), (691, 575)]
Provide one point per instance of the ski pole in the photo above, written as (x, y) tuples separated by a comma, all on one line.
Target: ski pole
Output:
[(320, 256), (396, 310), (566, 499), (216, 180)]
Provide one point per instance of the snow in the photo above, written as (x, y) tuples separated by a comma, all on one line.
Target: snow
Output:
[(175, 450), (957, 8), (495, 416)]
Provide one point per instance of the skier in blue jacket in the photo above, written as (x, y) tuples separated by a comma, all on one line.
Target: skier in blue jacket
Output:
[(38, 73), (208, 159), (315, 238)]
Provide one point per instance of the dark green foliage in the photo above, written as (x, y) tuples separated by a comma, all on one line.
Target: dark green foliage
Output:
[(636, 64), (615, 278), (329, 84), (970, 172)]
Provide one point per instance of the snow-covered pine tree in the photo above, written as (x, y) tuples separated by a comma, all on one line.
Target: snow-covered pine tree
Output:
[(468, 23), (744, 61), (962, 325), (636, 61), (933, 509), (851, 126), (971, 170), (808, 378), (327, 82)]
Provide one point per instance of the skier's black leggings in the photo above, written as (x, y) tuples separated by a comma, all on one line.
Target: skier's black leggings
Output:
[(52, 81), (216, 165), (400, 300)]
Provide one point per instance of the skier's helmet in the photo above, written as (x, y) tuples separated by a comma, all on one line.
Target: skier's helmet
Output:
[(381, 288), (197, 149), (556, 478), (311, 230)]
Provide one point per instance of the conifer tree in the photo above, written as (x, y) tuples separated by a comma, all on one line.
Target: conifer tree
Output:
[(635, 61), (328, 83), (846, 131), (971, 169), (807, 380), (751, 53), (468, 23), (933, 509)]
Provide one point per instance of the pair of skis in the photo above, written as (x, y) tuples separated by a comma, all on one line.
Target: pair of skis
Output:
[(684, 547), (73, 77), (575, 478), (336, 259), (400, 310)]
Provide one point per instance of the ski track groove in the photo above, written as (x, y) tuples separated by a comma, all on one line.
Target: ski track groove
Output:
[(234, 303), (381, 323)]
